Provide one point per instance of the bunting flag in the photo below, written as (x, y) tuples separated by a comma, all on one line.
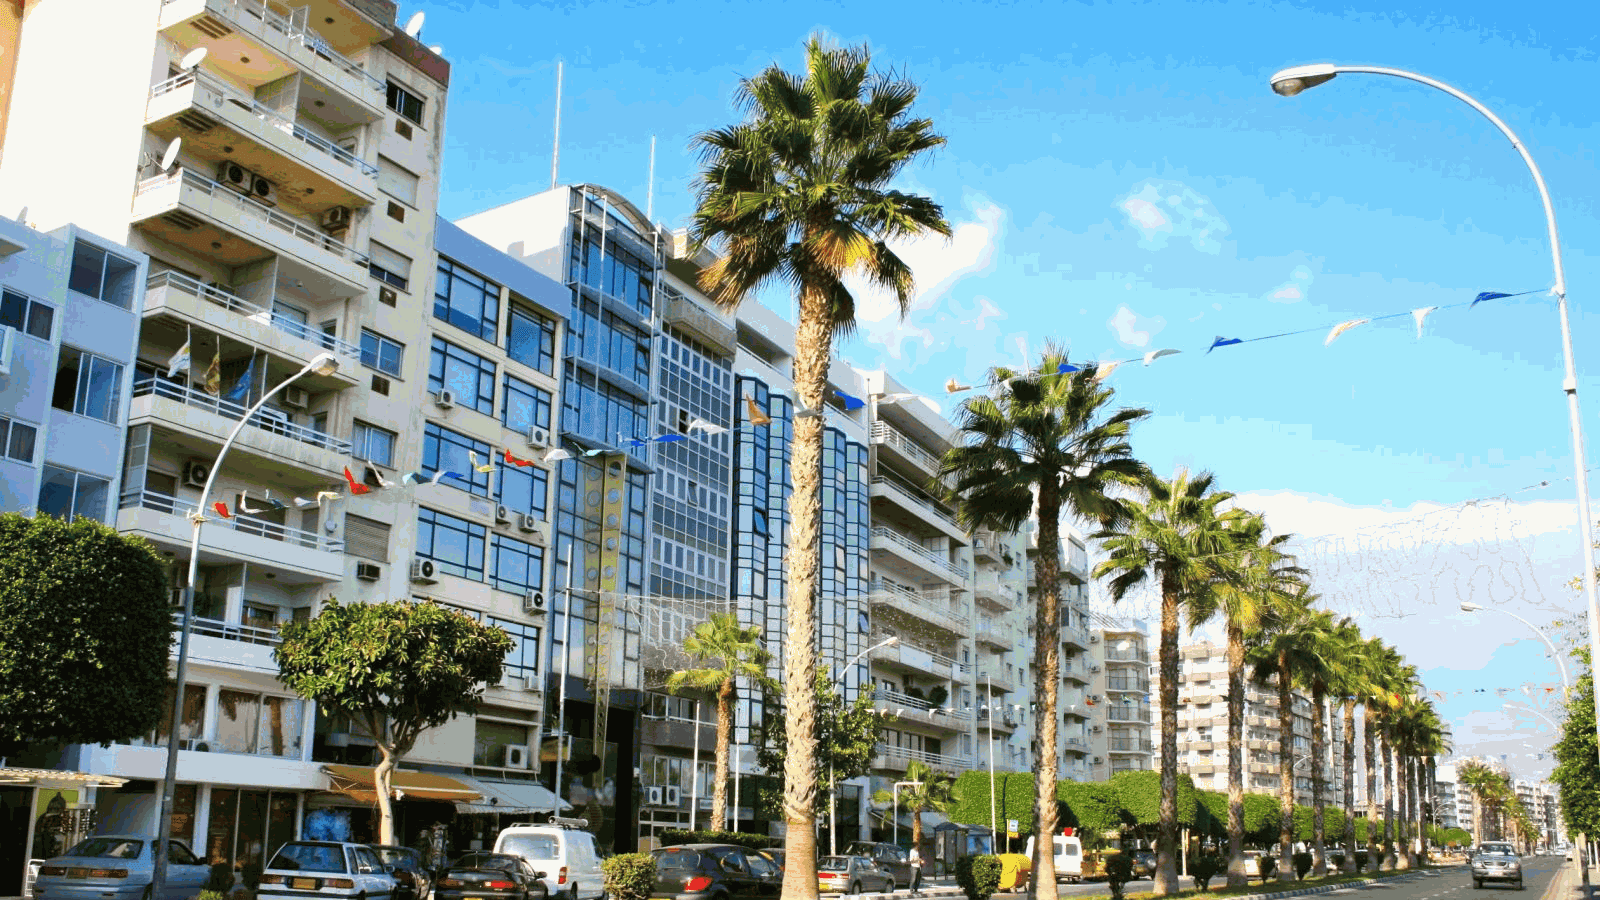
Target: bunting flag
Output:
[(302, 503), (245, 507), (327, 495), (412, 477), (890, 399), (955, 387), (1104, 370), (443, 474), (556, 454), (273, 502), (356, 488), (850, 403), (1341, 328), (698, 424), (222, 509), (213, 384), (758, 416), (1223, 342), (378, 474), (1154, 355), (1421, 315), (513, 461), (473, 458), (240, 392), (179, 361)]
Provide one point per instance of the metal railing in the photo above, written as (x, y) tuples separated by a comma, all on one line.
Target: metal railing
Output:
[(918, 498), (884, 433), (939, 600), (240, 522), (928, 710), (260, 211), (1131, 745), (906, 754), (1127, 684), (1126, 713), (249, 634), (956, 571), (256, 16), (262, 420), (895, 652), (993, 632), (234, 303)]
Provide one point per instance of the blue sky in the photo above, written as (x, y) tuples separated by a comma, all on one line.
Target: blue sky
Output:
[(1123, 180)]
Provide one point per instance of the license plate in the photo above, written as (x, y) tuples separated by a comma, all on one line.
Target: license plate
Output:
[(303, 884), (77, 873)]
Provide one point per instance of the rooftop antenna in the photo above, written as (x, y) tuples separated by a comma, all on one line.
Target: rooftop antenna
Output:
[(192, 59), (650, 189), (555, 154), (414, 24)]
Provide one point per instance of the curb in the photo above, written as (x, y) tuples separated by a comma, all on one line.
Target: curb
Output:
[(1330, 888)]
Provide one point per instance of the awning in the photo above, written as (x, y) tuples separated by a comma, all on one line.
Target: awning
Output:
[(57, 778), (357, 782), (515, 797)]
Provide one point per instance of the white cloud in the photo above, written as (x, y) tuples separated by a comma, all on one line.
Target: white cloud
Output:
[(1293, 290), (1132, 329), (1162, 209)]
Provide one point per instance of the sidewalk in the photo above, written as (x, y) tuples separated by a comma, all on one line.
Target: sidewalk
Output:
[(1568, 883)]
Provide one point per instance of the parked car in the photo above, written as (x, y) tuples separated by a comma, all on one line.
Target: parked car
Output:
[(1255, 860), (1068, 857), (891, 858), (563, 851), (852, 875), (1496, 861), (714, 872), (481, 876), (118, 867), (405, 864), (774, 855), (1144, 863), (326, 869)]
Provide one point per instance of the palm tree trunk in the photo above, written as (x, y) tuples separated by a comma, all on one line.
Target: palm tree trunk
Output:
[(1349, 840), (1047, 654), (1236, 875), (1319, 857), (1431, 814), (1285, 771), (1368, 739), (1166, 881), (1403, 819), (813, 339), (719, 789), (1388, 804)]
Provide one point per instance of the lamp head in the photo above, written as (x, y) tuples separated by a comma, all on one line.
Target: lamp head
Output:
[(325, 364), (1469, 606), (1294, 80)]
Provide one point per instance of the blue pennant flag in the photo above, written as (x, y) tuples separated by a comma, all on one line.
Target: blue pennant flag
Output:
[(1487, 295), (1222, 342), (669, 438), (240, 392), (636, 442), (849, 401), (1064, 368)]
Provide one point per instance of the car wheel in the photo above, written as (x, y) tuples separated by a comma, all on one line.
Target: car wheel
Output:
[(855, 887), (1477, 884), (148, 889), (888, 886)]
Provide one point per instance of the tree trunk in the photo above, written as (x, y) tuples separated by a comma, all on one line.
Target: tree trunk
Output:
[(1166, 880), (382, 777), (1388, 804), (1368, 740), (719, 789), (813, 341), (1403, 818), (1285, 770), (1319, 803), (1047, 656), (1236, 727), (1349, 837)]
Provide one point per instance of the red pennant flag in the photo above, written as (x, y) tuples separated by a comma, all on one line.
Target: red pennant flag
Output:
[(513, 461), (222, 510), (355, 488)]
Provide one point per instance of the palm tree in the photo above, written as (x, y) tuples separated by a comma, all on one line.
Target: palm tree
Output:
[(1387, 677), (1177, 538), (932, 791), (735, 653), (1482, 781), (1419, 734), (1054, 436), (1352, 673), (799, 193)]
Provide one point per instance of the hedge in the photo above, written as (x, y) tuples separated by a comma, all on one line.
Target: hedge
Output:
[(672, 837), (978, 876), (629, 876)]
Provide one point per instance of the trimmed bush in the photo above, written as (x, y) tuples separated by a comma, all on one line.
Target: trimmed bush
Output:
[(978, 876), (629, 876), (1119, 871), (1361, 861), (251, 875), (1302, 865), (1336, 861), (1204, 867), (1269, 868), (672, 837)]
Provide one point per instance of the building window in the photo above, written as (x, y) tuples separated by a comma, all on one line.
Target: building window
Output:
[(381, 353), (466, 300), (492, 738), (66, 494), (515, 566), (366, 538), (524, 490), (373, 444), (103, 276), (87, 385), (25, 314), (17, 440), (455, 545), (397, 182), (531, 340), (463, 373), (248, 722), (389, 266), (446, 450), (524, 406), (405, 103)]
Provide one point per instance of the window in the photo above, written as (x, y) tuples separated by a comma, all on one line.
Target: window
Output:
[(373, 444), (443, 449), (524, 406), (405, 103), (101, 275), (366, 538), (87, 385), (25, 314), (455, 545), (248, 722), (17, 440), (467, 300), (524, 490), (381, 353), (531, 340), (464, 373), (492, 738), (66, 494), (397, 182), (389, 266), (515, 566)]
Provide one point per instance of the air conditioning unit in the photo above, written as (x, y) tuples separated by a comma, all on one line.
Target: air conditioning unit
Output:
[(1094, 698), (1094, 638), (195, 473), (336, 219), (672, 795), (231, 174), (652, 796), (528, 523), (502, 515), (366, 571), (263, 191), (1097, 728), (445, 399), (533, 602), (1099, 759), (538, 437), (1094, 668), (516, 756), (296, 398), (423, 571)]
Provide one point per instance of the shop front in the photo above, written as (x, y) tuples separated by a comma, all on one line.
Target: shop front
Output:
[(348, 810), (43, 812), (503, 803)]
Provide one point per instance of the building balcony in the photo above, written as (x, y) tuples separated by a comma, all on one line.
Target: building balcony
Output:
[(1127, 684), (937, 608), (271, 438), (1075, 744), (920, 712), (919, 660), (989, 592), (1075, 671), (1129, 657), (280, 549), (897, 758), (214, 222), (993, 636), (212, 642), (1075, 638), (256, 44), (908, 550), (894, 443), (985, 547), (176, 296), (997, 683), (915, 501), (1125, 713), (1005, 723), (1130, 745)]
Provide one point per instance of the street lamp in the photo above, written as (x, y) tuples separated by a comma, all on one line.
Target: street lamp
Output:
[(1290, 82), (1566, 684), (833, 806), (896, 812), (323, 364)]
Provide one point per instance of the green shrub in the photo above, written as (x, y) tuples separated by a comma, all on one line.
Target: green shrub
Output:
[(1269, 868), (978, 876), (1119, 871), (1302, 865), (1361, 860), (1204, 867), (672, 837), (1336, 860), (251, 875), (629, 876)]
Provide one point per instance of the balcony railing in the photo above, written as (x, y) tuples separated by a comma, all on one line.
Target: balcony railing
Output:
[(1131, 745), (993, 633), (938, 760), (912, 654), (1127, 684), (293, 28), (920, 499), (240, 522), (234, 303), (922, 710), (266, 215), (939, 601), (1126, 713), (228, 410), (247, 633), (955, 571), (884, 433)]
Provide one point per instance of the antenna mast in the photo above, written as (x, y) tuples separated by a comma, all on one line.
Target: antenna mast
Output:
[(555, 153)]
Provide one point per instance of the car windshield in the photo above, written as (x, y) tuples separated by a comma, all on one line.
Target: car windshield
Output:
[(486, 861), (675, 858), (394, 855), (1503, 849), (309, 858), (834, 863), (108, 848), (531, 846)]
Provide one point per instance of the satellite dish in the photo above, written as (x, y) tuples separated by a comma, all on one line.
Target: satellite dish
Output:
[(414, 24), (22, 217), (192, 59), (170, 155)]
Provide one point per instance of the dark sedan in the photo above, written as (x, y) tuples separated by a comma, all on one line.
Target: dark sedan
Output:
[(1144, 863), (714, 872), (490, 876), (406, 866)]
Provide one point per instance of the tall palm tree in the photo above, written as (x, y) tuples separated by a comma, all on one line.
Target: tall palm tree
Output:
[(1483, 782), (1280, 653), (734, 652), (1419, 735), (799, 193), (1351, 677), (932, 791), (1387, 677), (1049, 441), (1176, 537)]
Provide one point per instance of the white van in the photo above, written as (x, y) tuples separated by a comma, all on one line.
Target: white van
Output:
[(563, 851), (1068, 858)]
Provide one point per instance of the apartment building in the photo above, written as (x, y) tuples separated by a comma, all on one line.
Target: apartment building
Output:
[(1445, 808), (1119, 668), (1081, 706), (1001, 668)]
